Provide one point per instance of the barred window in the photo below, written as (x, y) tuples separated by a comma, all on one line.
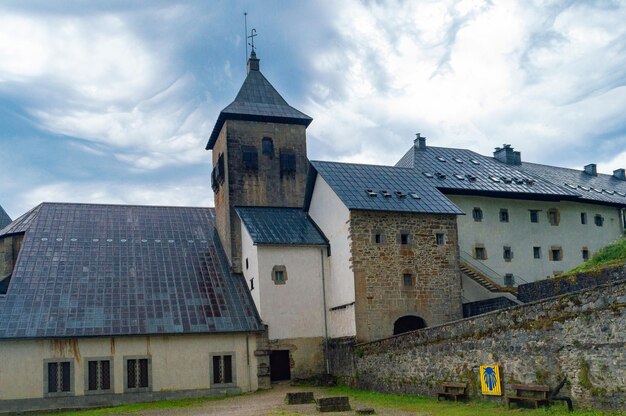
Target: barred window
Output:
[(250, 158), (504, 215), (598, 220), (99, 375), (137, 374), (59, 377), (222, 369), (477, 214), (287, 162)]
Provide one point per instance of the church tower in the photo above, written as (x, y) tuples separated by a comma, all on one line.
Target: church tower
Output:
[(259, 156)]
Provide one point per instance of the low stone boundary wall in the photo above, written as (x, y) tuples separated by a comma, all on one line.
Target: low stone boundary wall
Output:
[(580, 336), (543, 289)]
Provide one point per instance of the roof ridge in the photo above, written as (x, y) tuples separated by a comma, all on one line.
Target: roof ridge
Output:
[(105, 204), (361, 164)]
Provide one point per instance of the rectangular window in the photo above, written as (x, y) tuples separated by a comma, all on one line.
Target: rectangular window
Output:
[(137, 374), (440, 239), (583, 218), (509, 280), (279, 277), (98, 375), (556, 254), (507, 254), (585, 253), (404, 239), (534, 215), (477, 214), (287, 162), (267, 146), (553, 216), (407, 279), (250, 158), (598, 220), (537, 252), (59, 377), (504, 215), (222, 369), (480, 253), (252, 284)]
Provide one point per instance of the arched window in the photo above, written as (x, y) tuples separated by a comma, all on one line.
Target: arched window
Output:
[(408, 323)]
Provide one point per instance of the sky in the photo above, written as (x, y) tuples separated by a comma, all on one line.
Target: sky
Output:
[(114, 101)]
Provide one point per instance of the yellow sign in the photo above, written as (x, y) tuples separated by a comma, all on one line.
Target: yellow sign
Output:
[(490, 380)]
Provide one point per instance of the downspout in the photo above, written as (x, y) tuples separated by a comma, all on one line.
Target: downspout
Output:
[(622, 219), (325, 313), (248, 362)]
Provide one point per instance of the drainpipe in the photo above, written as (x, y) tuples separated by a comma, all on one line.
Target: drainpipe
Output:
[(622, 219), (325, 313), (248, 362)]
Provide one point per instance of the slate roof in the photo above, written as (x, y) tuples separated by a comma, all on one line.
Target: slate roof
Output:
[(4, 218), (258, 100), (87, 270), (451, 169), (601, 188), (270, 225), (364, 187)]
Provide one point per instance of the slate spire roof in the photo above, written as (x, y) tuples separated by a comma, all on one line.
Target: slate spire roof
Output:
[(112, 270), (4, 218), (257, 100)]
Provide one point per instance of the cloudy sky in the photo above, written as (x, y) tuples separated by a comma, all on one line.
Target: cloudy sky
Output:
[(113, 101)]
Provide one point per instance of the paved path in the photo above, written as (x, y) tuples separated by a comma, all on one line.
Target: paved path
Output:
[(266, 403)]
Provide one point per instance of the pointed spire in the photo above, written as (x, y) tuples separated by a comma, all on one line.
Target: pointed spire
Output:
[(253, 62)]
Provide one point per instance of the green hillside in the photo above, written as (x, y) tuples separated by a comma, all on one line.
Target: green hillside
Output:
[(610, 256)]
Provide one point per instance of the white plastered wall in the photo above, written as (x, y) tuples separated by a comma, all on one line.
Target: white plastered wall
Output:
[(333, 218), (250, 266), (180, 362), (522, 235)]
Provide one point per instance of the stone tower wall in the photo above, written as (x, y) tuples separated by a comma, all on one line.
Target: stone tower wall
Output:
[(381, 296), (263, 187)]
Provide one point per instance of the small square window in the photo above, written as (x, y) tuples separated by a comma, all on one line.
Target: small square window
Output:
[(137, 374), (537, 252), (378, 238), (477, 214), (534, 215), (279, 275), (504, 215), (480, 253), (222, 369), (598, 220), (553, 216), (440, 239), (583, 218), (509, 280), (407, 279), (405, 238), (507, 254), (556, 254), (98, 376)]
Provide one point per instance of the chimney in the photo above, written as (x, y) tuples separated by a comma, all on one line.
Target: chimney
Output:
[(506, 154), (619, 174), (420, 141), (591, 169), (253, 62)]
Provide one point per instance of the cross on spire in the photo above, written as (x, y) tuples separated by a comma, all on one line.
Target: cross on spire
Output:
[(252, 35)]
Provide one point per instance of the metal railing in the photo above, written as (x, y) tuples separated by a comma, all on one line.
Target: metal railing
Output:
[(498, 278)]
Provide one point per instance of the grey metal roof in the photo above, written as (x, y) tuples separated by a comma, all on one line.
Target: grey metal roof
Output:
[(258, 100), (273, 225), (382, 188), (86, 270), (21, 224), (601, 188), (461, 170), (4, 218)]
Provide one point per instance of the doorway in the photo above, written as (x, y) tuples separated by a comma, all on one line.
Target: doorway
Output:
[(279, 365), (408, 323)]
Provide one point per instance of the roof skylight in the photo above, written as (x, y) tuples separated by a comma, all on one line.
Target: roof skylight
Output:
[(474, 161), (371, 192), (414, 195), (459, 177), (441, 159), (457, 160), (493, 178), (428, 175)]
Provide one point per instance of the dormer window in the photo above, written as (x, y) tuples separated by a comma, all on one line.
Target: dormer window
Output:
[(250, 158)]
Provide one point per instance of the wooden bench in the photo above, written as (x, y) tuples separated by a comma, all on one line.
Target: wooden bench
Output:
[(452, 391), (532, 393)]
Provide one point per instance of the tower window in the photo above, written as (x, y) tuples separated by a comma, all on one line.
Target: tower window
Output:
[(217, 175), (405, 238), (477, 214), (287, 162), (534, 215), (504, 215), (583, 218), (250, 158), (377, 237), (267, 146), (407, 279), (440, 239)]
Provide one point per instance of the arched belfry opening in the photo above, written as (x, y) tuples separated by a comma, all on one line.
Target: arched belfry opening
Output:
[(408, 323)]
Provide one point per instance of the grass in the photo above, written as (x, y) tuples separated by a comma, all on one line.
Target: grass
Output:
[(135, 407), (612, 255)]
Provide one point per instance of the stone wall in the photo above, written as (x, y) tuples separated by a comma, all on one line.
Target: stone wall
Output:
[(580, 335), (341, 359), (379, 269), (561, 285)]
